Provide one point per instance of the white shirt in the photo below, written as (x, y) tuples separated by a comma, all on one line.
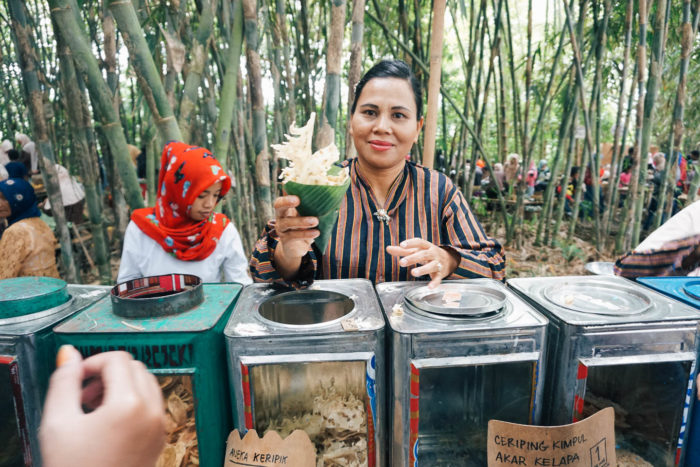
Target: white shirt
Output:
[(142, 257)]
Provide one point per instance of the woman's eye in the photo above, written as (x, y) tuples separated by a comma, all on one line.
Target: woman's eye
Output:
[(399, 115), (369, 112)]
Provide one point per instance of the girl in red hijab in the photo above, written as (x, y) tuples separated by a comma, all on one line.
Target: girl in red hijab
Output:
[(182, 233)]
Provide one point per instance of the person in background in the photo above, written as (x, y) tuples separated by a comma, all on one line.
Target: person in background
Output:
[(72, 194), (124, 424), (4, 174), (659, 160), (16, 168), (28, 246), (530, 180), (182, 233), (5, 146), (30, 155), (512, 170), (398, 220), (542, 176), (671, 250), (499, 175)]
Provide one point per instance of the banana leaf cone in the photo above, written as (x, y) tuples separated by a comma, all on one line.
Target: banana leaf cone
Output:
[(322, 201)]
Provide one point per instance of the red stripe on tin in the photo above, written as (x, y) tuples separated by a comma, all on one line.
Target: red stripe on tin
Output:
[(576, 419), (371, 448), (4, 360), (414, 414), (582, 371), (678, 456), (247, 408)]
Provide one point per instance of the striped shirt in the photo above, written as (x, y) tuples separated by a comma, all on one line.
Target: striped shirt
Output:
[(421, 203), (664, 261)]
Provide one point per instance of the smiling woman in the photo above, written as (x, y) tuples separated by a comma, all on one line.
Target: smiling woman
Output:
[(182, 233), (398, 220)]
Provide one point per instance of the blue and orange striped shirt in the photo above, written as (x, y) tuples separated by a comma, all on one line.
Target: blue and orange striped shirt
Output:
[(421, 203)]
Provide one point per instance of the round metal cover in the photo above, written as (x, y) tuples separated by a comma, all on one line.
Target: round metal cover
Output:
[(601, 268), (457, 300), (693, 289), (154, 296), (598, 297), (21, 296)]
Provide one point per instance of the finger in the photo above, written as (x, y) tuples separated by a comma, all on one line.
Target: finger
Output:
[(394, 250), (283, 203), (433, 268), (285, 224), (148, 386), (65, 386), (115, 371), (415, 243), (436, 280), (419, 257), (93, 393)]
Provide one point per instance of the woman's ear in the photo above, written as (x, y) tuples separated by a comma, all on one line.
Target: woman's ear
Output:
[(419, 127)]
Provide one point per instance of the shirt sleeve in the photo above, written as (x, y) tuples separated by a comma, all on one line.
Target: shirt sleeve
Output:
[(262, 263), (129, 266), (14, 249), (461, 232), (664, 261), (235, 264)]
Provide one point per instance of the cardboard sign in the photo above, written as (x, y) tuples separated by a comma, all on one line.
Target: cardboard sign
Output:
[(270, 451), (590, 443)]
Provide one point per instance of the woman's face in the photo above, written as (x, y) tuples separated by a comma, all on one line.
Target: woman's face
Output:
[(5, 210), (385, 125), (205, 203)]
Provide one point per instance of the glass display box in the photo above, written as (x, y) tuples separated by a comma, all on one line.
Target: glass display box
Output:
[(174, 325), (312, 360), (29, 308), (614, 343), (461, 354)]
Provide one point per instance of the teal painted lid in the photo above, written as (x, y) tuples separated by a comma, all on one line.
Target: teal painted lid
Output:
[(21, 296)]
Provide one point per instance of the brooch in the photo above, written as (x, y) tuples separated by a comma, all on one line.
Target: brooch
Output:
[(382, 216)]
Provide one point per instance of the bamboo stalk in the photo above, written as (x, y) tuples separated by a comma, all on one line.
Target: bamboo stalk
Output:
[(334, 50)]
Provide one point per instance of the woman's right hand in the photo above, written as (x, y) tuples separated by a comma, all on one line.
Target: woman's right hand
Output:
[(295, 235)]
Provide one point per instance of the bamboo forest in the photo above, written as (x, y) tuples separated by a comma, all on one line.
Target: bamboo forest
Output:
[(549, 115)]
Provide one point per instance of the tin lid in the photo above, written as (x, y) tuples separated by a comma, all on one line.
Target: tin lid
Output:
[(457, 300), (693, 289), (154, 296), (598, 297), (21, 296)]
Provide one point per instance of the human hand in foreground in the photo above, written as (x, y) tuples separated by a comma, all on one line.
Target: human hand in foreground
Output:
[(295, 233), (126, 427), (436, 261)]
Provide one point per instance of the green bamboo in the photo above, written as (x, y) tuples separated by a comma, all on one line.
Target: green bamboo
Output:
[(195, 68), (80, 125), (146, 72), (34, 101), (355, 66), (85, 62), (334, 50)]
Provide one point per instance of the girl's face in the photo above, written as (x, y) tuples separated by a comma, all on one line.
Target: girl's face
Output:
[(203, 206), (385, 124)]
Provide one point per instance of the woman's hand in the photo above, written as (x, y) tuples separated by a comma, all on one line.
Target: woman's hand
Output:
[(295, 234), (435, 261), (126, 427)]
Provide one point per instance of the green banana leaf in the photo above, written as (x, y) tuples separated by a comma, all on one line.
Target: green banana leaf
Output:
[(322, 201)]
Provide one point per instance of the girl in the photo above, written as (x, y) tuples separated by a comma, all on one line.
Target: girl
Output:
[(182, 233)]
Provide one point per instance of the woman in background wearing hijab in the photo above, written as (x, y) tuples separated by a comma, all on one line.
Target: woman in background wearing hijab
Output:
[(182, 234), (28, 246)]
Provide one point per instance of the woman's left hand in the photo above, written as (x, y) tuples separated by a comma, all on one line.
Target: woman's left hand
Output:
[(435, 261)]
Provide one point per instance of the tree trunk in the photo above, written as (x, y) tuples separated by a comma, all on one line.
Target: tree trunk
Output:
[(146, 72), (434, 82), (334, 51), (355, 68), (262, 159), (34, 101), (64, 17)]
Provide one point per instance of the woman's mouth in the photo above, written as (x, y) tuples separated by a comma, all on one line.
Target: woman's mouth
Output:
[(378, 145)]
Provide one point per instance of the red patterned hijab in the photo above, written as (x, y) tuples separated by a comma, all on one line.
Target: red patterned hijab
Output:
[(185, 172)]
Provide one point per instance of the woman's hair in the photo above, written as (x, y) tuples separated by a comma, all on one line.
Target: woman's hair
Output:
[(391, 69)]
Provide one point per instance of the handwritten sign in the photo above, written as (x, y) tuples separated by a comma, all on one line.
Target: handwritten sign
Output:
[(271, 451), (590, 443)]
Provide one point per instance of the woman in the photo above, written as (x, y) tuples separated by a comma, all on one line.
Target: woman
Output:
[(398, 220), (27, 246), (182, 233)]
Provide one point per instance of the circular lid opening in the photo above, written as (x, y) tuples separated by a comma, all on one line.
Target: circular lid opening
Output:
[(692, 289), (154, 296), (20, 296), (305, 307), (598, 297), (456, 300)]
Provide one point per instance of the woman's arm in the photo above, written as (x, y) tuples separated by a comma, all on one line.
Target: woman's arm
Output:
[(131, 254)]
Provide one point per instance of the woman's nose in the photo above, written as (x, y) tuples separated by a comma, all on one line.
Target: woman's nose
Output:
[(382, 123)]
